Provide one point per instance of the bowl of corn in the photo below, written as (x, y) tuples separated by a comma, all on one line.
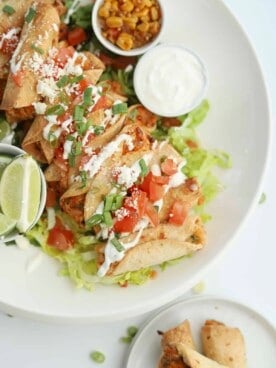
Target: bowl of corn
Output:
[(128, 27)]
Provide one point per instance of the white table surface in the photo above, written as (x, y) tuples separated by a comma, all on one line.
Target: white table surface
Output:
[(250, 262)]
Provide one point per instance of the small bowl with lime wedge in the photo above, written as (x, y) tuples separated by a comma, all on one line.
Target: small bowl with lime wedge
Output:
[(22, 192)]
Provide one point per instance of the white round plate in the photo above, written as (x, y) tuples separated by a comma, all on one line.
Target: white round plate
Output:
[(238, 122), (259, 334)]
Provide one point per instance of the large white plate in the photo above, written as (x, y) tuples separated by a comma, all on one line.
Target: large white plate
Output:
[(239, 122), (259, 334)]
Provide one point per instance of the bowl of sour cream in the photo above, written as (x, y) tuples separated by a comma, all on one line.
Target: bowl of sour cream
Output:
[(170, 80)]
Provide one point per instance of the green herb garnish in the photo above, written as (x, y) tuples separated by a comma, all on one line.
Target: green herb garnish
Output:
[(98, 129), (117, 202), (55, 110), (82, 127), (262, 199), (131, 333), (143, 167), (108, 202), (8, 9), (120, 108), (117, 245), (87, 97), (97, 357), (83, 176), (107, 219), (78, 113), (30, 16), (63, 81), (39, 50), (94, 220)]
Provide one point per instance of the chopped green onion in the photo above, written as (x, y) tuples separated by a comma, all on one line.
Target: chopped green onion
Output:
[(71, 138), (82, 127), (77, 148), (63, 81), (262, 199), (117, 245), (94, 220), (55, 110), (76, 79), (143, 167), (132, 331), (107, 219), (97, 357), (72, 160), (87, 97), (126, 339), (52, 137), (108, 202), (30, 16), (117, 202), (98, 129), (120, 108), (8, 9), (39, 50), (83, 176), (78, 113)]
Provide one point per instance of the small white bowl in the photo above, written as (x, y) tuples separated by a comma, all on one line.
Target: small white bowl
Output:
[(14, 151), (160, 78), (115, 49)]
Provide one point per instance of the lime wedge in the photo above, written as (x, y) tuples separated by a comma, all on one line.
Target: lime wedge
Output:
[(20, 190), (4, 161), (5, 129), (6, 225)]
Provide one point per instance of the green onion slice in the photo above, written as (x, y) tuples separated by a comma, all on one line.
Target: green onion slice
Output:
[(107, 218), (78, 113), (143, 167), (87, 96), (117, 245), (97, 357), (8, 9), (30, 16), (94, 220), (120, 108), (63, 81), (39, 50), (55, 110)]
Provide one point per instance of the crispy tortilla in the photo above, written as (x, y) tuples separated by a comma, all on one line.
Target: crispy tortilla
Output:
[(24, 95), (170, 357), (160, 244), (35, 144), (195, 360), (223, 344)]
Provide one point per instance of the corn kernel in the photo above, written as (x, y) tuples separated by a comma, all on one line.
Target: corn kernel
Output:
[(127, 6), (143, 27), (125, 41), (104, 12), (114, 22), (154, 13)]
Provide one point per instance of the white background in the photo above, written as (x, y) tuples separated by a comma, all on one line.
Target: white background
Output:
[(247, 271)]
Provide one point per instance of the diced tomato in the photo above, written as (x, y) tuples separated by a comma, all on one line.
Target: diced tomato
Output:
[(120, 62), (59, 237), (63, 55), (83, 84), (178, 213), (76, 36), (102, 103), (64, 117), (169, 167), (156, 191), (152, 214), (127, 224), (51, 198), (145, 185), (18, 78), (137, 201), (112, 34)]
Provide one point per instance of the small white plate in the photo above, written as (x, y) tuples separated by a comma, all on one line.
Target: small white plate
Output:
[(259, 334)]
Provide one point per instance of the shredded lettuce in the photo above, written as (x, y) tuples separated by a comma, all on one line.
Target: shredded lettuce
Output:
[(79, 263)]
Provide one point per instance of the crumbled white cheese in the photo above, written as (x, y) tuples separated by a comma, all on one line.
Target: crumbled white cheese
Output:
[(47, 88), (40, 107), (127, 176), (11, 35)]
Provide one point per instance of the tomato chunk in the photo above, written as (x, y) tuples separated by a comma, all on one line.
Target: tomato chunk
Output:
[(102, 103), (63, 55), (169, 167), (145, 185), (18, 78), (128, 223), (137, 201), (76, 36), (156, 191), (162, 180), (178, 213), (59, 237)]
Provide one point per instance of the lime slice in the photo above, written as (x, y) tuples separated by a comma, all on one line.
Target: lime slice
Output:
[(5, 129), (20, 190), (6, 225), (4, 161)]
